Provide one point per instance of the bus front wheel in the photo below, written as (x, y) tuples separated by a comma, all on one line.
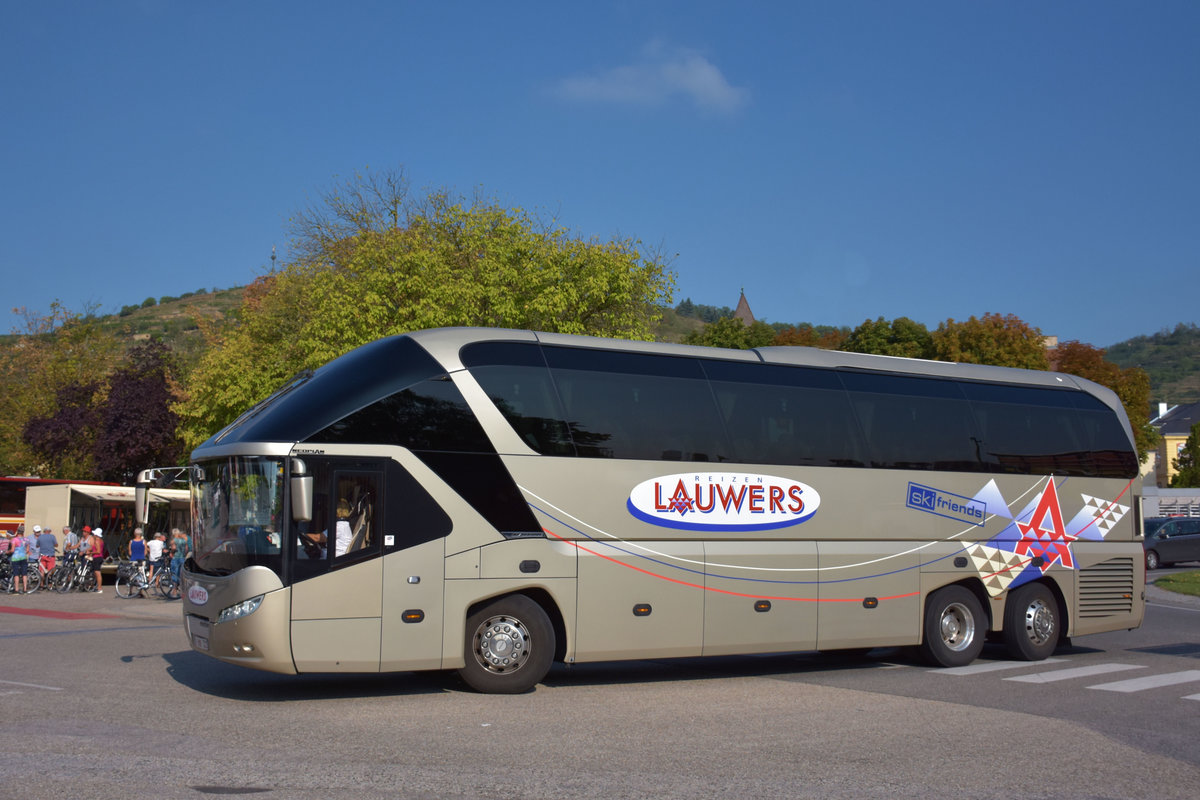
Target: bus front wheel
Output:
[(1031, 622), (509, 646), (954, 627)]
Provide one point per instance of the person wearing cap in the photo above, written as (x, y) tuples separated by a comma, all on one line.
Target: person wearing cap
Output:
[(31, 543), (47, 544), (96, 549)]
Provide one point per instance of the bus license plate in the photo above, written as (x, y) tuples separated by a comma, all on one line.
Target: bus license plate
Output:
[(198, 628)]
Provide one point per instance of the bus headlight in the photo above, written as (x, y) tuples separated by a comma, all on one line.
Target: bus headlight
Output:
[(239, 610)]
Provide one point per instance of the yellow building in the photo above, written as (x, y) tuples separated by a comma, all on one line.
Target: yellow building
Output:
[(1174, 426)]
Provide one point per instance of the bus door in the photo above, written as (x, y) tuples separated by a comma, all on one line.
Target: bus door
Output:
[(336, 570)]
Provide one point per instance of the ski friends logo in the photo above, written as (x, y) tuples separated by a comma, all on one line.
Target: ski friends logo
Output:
[(723, 501)]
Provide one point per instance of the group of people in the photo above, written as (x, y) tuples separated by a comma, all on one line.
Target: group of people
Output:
[(39, 550), (152, 550)]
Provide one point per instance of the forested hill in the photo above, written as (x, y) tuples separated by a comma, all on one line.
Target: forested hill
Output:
[(1170, 358)]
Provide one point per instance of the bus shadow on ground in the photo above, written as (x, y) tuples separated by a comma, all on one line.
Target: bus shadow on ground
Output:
[(209, 676), (775, 665), (212, 677), (783, 666)]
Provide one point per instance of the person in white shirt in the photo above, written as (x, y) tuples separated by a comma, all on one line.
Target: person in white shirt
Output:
[(154, 552)]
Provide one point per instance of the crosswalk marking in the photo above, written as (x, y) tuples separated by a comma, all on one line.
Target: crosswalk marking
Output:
[(1151, 682), (991, 666), (1077, 672)]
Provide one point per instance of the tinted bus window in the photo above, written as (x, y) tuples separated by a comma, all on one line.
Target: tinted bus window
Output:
[(914, 423), (633, 405), (785, 415), (1027, 429), (1112, 453), (516, 378), (431, 415)]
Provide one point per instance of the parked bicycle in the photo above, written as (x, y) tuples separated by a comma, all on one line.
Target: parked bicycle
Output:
[(132, 580), (167, 584), (75, 572), (33, 575)]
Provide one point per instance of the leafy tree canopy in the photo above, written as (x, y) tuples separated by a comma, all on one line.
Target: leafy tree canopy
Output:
[(54, 353), (1000, 340), (371, 262), (732, 332), (825, 337), (138, 428), (900, 337)]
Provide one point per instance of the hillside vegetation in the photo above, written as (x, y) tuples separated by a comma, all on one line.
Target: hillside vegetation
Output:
[(1170, 358)]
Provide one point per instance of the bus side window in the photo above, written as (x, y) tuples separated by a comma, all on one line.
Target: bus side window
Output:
[(354, 528)]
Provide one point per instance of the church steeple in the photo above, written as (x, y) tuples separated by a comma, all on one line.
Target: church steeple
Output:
[(743, 311)]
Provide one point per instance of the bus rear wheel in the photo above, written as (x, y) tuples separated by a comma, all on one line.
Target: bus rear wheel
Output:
[(1031, 622), (954, 627), (509, 646)]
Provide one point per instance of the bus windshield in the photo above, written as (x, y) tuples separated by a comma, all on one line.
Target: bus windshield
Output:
[(238, 503)]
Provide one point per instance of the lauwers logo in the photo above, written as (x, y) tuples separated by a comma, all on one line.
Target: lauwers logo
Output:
[(723, 501)]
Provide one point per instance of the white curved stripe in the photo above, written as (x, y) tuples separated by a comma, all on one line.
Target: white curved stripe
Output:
[(708, 564)]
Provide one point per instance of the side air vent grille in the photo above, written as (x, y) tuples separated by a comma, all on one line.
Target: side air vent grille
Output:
[(1106, 589)]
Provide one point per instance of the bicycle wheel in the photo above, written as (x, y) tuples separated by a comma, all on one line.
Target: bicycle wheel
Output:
[(169, 587), (35, 580), (124, 587), (58, 577)]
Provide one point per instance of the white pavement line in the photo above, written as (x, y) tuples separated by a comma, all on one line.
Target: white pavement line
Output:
[(1192, 697), (1152, 682), (1077, 672), (33, 686), (992, 666)]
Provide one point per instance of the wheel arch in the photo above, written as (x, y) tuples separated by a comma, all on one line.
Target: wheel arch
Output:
[(975, 587), (548, 604)]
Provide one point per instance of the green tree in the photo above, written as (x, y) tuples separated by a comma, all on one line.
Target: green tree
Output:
[(900, 337), (370, 262), (733, 333), (52, 352), (1000, 340), (1131, 385), (1187, 465)]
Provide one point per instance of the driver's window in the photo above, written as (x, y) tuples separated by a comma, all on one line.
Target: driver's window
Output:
[(355, 513), (345, 521)]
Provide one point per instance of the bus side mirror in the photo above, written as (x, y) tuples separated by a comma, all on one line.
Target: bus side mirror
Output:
[(302, 498), (141, 509)]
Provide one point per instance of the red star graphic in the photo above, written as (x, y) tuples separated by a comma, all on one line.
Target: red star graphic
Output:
[(680, 501), (1045, 534)]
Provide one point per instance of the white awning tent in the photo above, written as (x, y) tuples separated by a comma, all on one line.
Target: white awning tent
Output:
[(124, 494)]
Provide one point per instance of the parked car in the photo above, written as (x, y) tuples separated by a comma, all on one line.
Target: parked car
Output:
[(1171, 539)]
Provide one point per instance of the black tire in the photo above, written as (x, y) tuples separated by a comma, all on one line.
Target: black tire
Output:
[(59, 578), (1152, 561), (124, 588), (33, 578), (954, 627), (167, 586), (1032, 623), (509, 646)]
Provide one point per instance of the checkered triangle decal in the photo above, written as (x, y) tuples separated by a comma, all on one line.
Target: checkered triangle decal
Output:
[(997, 568), (1106, 513)]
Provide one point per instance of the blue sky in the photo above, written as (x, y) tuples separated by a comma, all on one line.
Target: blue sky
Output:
[(840, 161)]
